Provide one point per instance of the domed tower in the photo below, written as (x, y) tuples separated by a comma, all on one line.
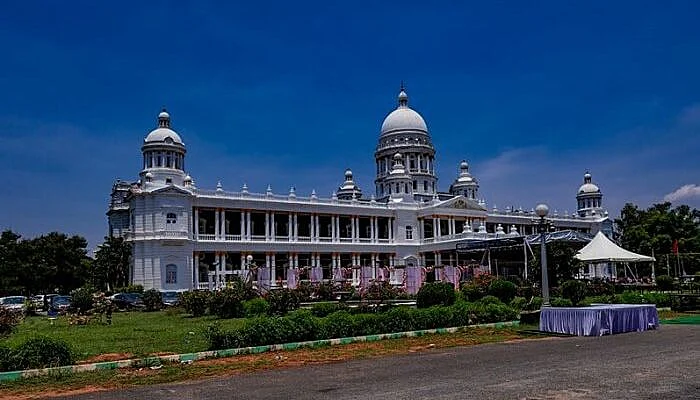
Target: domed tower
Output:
[(349, 189), (398, 183), (589, 198), (163, 155), (405, 131), (465, 184)]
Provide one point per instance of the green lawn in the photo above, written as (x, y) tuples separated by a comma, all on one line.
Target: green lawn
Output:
[(136, 333)]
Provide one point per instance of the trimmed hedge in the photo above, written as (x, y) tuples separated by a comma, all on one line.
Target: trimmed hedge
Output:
[(574, 290), (302, 325), (436, 294), (37, 352), (503, 289)]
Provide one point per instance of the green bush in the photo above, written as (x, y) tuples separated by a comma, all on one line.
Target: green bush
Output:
[(282, 301), (519, 303), (481, 313), (575, 291), (525, 291), (256, 307), (303, 326), (226, 303), (534, 304), (598, 287), (152, 300), (436, 294), (434, 317), (8, 321), (7, 362), (195, 302), (399, 319), (325, 308), (490, 300), (471, 292), (664, 282), (367, 324), (129, 289), (660, 299), (338, 325), (324, 291), (82, 299), (42, 352), (560, 302), (503, 289)]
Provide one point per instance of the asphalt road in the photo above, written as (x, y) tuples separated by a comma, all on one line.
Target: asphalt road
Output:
[(663, 364)]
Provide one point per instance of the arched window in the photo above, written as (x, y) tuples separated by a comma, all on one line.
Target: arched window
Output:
[(171, 218), (171, 274)]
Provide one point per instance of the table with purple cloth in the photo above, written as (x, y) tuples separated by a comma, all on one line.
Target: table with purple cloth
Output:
[(599, 319)]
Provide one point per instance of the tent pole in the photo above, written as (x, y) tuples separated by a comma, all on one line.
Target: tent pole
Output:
[(525, 256)]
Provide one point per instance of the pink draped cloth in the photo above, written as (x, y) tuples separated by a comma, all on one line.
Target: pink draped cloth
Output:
[(316, 274), (338, 274), (365, 276), (414, 279), (452, 275), (292, 278)]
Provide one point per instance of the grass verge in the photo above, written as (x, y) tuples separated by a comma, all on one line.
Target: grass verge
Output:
[(74, 383)]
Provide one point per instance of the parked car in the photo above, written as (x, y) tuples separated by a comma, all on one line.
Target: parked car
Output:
[(42, 301), (127, 301), (59, 304), (13, 303), (170, 298)]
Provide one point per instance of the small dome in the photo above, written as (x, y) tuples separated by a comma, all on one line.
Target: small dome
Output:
[(588, 188), (463, 165), (403, 118), (188, 178), (348, 173), (163, 131), (398, 156)]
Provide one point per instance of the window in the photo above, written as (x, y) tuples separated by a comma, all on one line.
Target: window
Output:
[(171, 218), (415, 185), (425, 186), (171, 274), (409, 232), (168, 181)]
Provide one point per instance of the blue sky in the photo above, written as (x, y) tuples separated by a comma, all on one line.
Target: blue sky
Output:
[(292, 93)]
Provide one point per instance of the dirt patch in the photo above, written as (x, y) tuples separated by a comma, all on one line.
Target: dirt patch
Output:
[(107, 357)]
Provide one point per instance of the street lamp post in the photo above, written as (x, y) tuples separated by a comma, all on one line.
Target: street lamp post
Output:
[(542, 210)]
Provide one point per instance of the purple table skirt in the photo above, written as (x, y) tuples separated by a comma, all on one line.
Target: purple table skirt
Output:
[(597, 320)]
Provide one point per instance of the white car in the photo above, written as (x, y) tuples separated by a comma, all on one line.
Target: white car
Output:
[(13, 303)]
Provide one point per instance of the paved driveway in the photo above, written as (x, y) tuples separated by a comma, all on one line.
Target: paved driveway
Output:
[(663, 364)]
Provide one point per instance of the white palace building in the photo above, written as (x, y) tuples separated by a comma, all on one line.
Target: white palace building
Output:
[(185, 237)]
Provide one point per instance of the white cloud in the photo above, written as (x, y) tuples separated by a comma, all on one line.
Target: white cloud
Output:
[(683, 192)]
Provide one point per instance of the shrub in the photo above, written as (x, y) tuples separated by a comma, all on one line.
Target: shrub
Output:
[(574, 290), (471, 292), (282, 301), (303, 326), (660, 299), (324, 291), (129, 289), (399, 319), (598, 287), (226, 303), (664, 282), (219, 339), (7, 362), (8, 321), (338, 325), (490, 300), (380, 291), (502, 289), (436, 294), (367, 324), (434, 317), (481, 313), (42, 352), (82, 300), (525, 291), (194, 302), (519, 303), (324, 309), (152, 300), (560, 302), (256, 307)]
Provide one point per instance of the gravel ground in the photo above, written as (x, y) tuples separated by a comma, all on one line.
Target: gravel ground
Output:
[(662, 364)]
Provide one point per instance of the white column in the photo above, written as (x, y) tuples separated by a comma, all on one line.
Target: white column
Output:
[(243, 225), (452, 226), (272, 226), (333, 262), (222, 222), (196, 270), (391, 229), (217, 225), (438, 225), (273, 271), (318, 231), (296, 226), (249, 233), (290, 232), (196, 223), (267, 226), (372, 220), (353, 230), (334, 228)]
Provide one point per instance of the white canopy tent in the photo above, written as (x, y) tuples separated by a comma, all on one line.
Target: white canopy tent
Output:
[(602, 250)]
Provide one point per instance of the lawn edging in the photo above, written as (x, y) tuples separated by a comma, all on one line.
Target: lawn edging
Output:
[(187, 358)]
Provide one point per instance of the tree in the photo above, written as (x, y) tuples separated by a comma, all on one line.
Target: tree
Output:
[(561, 264), (53, 262), (112, 263), (656, 229)]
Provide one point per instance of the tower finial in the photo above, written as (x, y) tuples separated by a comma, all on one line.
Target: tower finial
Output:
[(403, 97)]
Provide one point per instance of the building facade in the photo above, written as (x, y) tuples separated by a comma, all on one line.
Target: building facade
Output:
[(187, 238)]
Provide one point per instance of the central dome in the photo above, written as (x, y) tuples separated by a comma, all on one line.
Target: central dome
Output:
[(403, 118), (163, 131)]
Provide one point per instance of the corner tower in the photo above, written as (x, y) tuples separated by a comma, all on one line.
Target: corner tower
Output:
[(589, 198), (404, 131), (163, 155)]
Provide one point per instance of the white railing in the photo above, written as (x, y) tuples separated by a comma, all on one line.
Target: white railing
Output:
[(205, 236), (303, 239), (231, 238)]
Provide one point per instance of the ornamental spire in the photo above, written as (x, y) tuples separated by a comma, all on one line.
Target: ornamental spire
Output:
[(403, 97)]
